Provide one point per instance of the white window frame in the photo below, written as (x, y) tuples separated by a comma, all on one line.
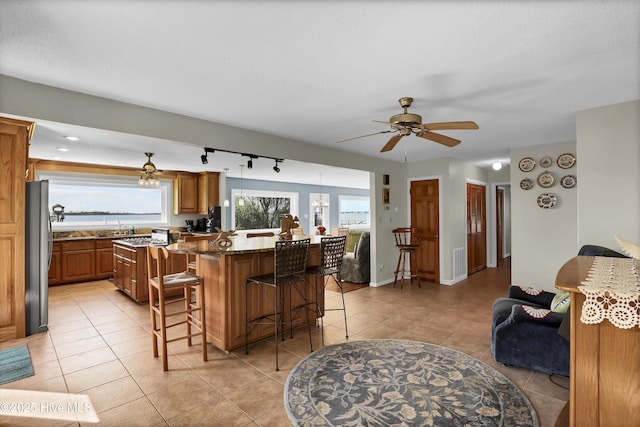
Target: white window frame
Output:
[(292, 196), (341, 199), (96, 180)]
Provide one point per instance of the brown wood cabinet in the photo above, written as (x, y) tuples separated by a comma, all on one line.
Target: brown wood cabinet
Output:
[(14, 147), (55, 268), (193, 193), (605, 362), (78, 261), (130, 270), (104, 258), (185, 193)]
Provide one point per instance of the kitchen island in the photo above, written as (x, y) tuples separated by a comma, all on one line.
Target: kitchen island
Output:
[(225, 271)]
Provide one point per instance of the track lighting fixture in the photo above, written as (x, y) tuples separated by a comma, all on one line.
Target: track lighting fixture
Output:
[(251, 157)]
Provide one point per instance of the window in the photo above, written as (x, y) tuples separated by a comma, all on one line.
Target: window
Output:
[(262, 210), (354, 212), (93, 202)]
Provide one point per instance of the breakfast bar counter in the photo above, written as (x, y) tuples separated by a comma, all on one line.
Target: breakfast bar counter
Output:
[(225, 270)]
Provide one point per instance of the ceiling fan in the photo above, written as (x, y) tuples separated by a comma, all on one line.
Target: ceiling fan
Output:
[(149, 172), (407, 123)]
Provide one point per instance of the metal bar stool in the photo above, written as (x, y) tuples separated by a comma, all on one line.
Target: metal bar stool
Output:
[(290, 263), (161, 282), (406, 244), (331, 253)]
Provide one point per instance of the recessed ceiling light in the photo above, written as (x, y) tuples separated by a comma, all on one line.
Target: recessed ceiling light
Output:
[(496, 166), (72, 138), (62, 149)]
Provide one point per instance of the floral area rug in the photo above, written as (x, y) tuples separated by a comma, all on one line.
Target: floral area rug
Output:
[(401, 383)]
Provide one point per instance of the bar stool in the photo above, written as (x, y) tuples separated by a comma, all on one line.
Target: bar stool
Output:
[(192, 260), (331, 253), (290, 263), (405, 242), (159, 282)]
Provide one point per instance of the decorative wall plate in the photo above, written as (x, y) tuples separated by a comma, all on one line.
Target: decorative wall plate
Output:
[(526, 184), (547, 200), (566, 161), (546, 179), (526, 164), (546, 161), (568, 181)]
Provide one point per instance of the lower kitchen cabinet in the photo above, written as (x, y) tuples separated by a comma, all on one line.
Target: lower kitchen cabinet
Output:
[(104, 258), (55, 267), (78, 261), (130, 270)]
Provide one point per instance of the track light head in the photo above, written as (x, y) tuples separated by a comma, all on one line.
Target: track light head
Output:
[(276, 168), (250, 164), (204, 159)]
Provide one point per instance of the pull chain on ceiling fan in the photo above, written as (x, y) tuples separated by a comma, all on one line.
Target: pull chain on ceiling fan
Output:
[(407, 123)]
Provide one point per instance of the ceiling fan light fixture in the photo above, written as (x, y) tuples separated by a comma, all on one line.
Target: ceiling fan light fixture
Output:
[(149, 172)]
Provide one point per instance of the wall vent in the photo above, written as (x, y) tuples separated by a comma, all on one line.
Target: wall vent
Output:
[(459, 263)]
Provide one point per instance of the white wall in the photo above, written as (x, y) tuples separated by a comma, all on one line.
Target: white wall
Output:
[(609, 168), (542, 239)]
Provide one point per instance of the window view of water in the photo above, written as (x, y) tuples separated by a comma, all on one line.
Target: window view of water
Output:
[(354, 218), (115, 219)]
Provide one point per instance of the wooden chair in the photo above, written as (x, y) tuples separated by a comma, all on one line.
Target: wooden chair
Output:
[(192, 260), (159, 282), (406, 244), (290, 264), (265, 234), (331, 253), (336, 230), (297, 231)]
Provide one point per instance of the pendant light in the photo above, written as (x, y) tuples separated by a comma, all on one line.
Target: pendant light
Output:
[(241, 201), (226, 201), (319, 203)]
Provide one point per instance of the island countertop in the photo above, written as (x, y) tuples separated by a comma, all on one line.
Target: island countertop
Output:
[(240, 244)]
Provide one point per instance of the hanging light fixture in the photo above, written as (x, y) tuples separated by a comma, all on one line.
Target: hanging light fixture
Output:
[(226, 201), (241, 201), (319, 203), (149, 171)]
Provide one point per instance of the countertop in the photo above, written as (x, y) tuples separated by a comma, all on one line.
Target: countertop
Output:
[(111, 236), (240, 245)]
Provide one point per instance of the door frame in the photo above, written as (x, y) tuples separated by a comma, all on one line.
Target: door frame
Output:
[(440, 217), (492, 248)]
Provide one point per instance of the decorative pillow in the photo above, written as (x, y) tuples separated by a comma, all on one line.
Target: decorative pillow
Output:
[(629, 248), (560, 303)]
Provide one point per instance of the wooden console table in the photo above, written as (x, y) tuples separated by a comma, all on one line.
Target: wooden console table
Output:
[(605, 361)]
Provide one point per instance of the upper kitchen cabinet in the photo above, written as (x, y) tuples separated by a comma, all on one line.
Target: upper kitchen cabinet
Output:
[(14, 148), (194, 193), (208, 191)]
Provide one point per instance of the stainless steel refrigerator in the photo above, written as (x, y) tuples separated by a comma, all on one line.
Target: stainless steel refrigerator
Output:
[(38, 256)]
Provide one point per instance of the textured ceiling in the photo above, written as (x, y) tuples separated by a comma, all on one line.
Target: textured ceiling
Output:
[(321, 71)]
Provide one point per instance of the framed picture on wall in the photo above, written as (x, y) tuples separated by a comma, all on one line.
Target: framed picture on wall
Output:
[(385, 196)]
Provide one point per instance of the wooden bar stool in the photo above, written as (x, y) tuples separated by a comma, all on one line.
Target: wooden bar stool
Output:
[(407, 246), (331, 253), (290, 264), (159, 282), (192, 260)]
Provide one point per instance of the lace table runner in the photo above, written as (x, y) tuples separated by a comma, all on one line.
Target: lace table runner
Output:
[(612, 291)]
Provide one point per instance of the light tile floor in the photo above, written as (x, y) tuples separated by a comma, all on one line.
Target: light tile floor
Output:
[(99, 345)]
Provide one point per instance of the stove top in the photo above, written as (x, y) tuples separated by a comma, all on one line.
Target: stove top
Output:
[(144, 241)]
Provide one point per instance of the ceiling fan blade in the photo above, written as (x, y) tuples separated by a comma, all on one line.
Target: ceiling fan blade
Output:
[(364, 136), (441, 139), (380, 121), (449, 126), (392, 143)]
